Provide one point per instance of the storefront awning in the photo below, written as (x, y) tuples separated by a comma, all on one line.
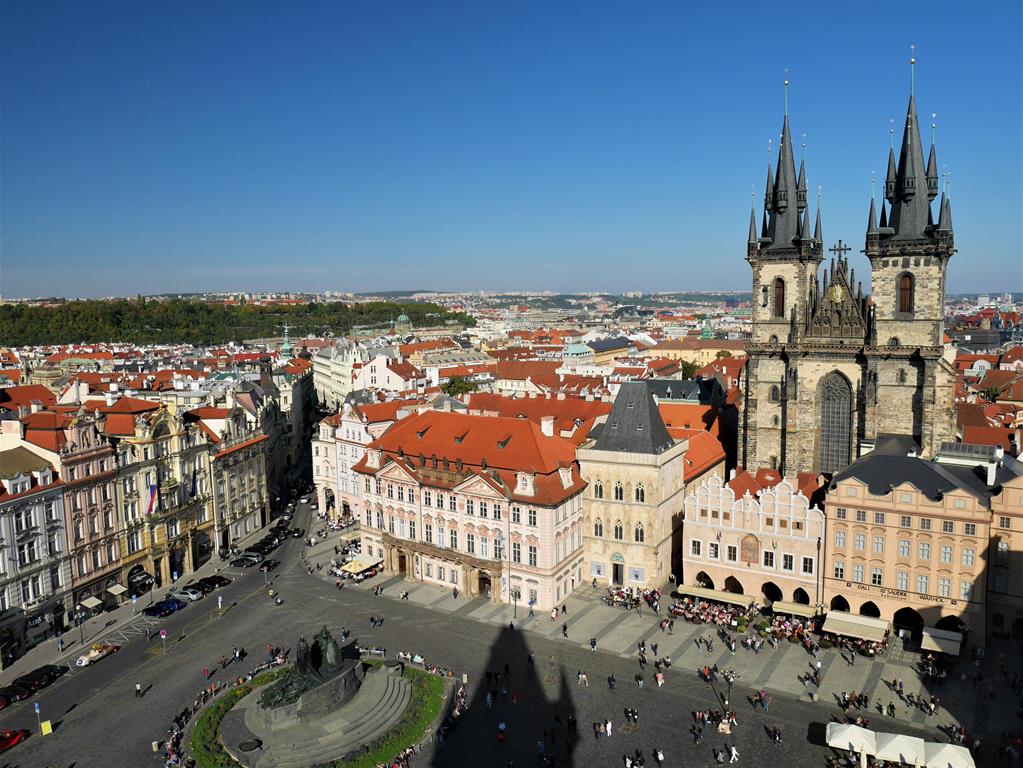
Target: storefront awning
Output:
[(794, 609), (715, 596), (116, 590), (852, 625), (91, 602), (941, 640), (357, 566)]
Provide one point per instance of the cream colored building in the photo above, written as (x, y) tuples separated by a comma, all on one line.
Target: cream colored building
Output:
[(908, 539)]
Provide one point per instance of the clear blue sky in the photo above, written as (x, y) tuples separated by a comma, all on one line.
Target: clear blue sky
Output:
[(189, 146)]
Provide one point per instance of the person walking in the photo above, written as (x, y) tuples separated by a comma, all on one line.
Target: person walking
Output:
[(735, 755), (593, 644), (607, 727), (138, 690), (564, 631)]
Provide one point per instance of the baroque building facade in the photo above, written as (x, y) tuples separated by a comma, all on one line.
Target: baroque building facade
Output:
[(830, 368)]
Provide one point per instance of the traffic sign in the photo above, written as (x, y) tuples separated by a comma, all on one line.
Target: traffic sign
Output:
[(163, 636), (37, 707)]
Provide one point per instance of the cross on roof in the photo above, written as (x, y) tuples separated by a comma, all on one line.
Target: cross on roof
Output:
[(840, 248)]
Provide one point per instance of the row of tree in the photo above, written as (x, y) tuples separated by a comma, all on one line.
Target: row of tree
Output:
[(199, 322)]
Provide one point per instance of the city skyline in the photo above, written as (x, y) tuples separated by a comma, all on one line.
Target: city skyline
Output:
[(462, 149)]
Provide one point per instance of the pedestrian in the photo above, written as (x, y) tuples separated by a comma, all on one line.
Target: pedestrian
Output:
[(593, 644), (659, 756), (735, 755), (237, 654), (564, 611), (148, 634), (454, 592), (653, 647), (607, 727), (818, 665), (206, 672), (60, 643), (564, 630), (531, 661), (611, 681), (552, 661), (138, 690), (639, 679)]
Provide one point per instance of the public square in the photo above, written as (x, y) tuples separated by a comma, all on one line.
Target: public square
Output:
[(98, 721)]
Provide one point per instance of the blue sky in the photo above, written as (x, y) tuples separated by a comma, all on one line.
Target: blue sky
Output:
[(189, 146)]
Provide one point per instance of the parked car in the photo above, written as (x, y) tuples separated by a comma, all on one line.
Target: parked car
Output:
[(96, 652), (158, 610), (215, 581), (175, 603), (186, 594), (268, 565), (243, 562), (9, 738), (33, 680), (54, 670), (297, 533), (14, 693), (201, 585)]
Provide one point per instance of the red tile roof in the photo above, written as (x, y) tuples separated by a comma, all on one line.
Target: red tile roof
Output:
[(241, 446), (23, 396)]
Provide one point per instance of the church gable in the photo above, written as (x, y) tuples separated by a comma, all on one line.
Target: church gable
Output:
[(835, 312)]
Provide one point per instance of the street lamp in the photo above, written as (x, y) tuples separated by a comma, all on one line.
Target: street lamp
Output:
[(79, 611), (515, 601)]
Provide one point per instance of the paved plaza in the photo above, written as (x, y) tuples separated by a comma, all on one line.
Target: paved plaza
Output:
[(100, 723)]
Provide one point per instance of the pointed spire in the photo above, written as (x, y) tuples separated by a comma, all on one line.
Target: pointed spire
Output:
[(817, 227), (872, 219), (752, 227), (784, 225), (945, 214), (763, 228), (932, 165), (889, 182), (884, 215), (801, 186), (769, 191), (804, 230), (909, 209)]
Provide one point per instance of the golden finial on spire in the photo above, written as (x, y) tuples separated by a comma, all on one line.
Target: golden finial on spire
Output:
[(912, 70), (786, 91), (891, 133), (802, 149), (934, 124)]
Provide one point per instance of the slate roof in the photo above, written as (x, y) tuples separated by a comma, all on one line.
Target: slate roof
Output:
[(634, 424)]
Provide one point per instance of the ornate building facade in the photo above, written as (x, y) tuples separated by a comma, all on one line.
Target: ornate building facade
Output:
[(831, 369)]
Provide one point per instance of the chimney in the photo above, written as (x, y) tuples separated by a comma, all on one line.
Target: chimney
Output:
[(547, 425), (992, 468), (110, 399)]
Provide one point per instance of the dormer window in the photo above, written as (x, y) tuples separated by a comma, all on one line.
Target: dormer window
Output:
[(524, 483)]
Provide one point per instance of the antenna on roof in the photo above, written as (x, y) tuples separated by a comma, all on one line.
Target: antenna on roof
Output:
[(786, 91)]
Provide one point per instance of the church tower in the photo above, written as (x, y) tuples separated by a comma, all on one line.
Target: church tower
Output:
[(909, 249), (784, 258)]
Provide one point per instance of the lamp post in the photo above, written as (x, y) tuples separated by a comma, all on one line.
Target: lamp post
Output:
[(79, 612), (515, 602)]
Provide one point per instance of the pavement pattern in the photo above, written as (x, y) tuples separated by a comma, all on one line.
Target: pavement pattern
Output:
[(99, 722)]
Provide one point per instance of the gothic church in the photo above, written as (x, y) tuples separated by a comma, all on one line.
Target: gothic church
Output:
[(832, 370)]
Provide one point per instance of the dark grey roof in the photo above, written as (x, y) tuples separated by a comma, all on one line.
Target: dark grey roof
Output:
[(634, 424), (604, 345), (703, 391), (361, 397), (881, 472), (891, 444)]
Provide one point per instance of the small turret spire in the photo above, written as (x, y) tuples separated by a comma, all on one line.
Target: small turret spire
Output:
[(817, 227), (753, 218), (872, 219), (884, 214), (801, 186), (889, 182)]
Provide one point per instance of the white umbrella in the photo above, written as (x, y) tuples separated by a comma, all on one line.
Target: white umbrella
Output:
[(851, 737), (947, 756), (897, 747)]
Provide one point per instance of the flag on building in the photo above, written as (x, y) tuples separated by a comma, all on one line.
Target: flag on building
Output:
[(152, 499)]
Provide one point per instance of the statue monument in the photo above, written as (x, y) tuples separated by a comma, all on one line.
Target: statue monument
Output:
[(324, 664)]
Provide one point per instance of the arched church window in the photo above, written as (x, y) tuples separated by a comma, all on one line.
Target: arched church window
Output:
[(835, 420), (598, 528), (638, 534), (598, 490), (619, 530), (905, 293), (779, 297), (640, 493), (775, 395), (619, 492)]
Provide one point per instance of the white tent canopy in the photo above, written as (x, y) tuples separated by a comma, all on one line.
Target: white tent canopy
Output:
[(947, 756), (852, 625), (851, 737), (941, 640), (897, 747)]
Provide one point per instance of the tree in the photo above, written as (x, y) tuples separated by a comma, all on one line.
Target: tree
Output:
[(458, 385), (992, 393), (722, 353), (688, 369)]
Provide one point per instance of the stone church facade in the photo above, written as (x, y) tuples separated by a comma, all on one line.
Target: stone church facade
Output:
[(831, 369)]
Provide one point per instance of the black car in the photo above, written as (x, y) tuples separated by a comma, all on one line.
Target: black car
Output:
[(33, 680), (15, 692), (243, 562), (202, 586), (215, 581), (268, 565), (54, 670), (297, 532)]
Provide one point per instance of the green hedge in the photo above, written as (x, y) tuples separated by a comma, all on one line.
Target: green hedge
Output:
[(205, 740), (423, 709)]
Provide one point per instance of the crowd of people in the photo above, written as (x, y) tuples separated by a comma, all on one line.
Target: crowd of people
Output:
[(707, 612)]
